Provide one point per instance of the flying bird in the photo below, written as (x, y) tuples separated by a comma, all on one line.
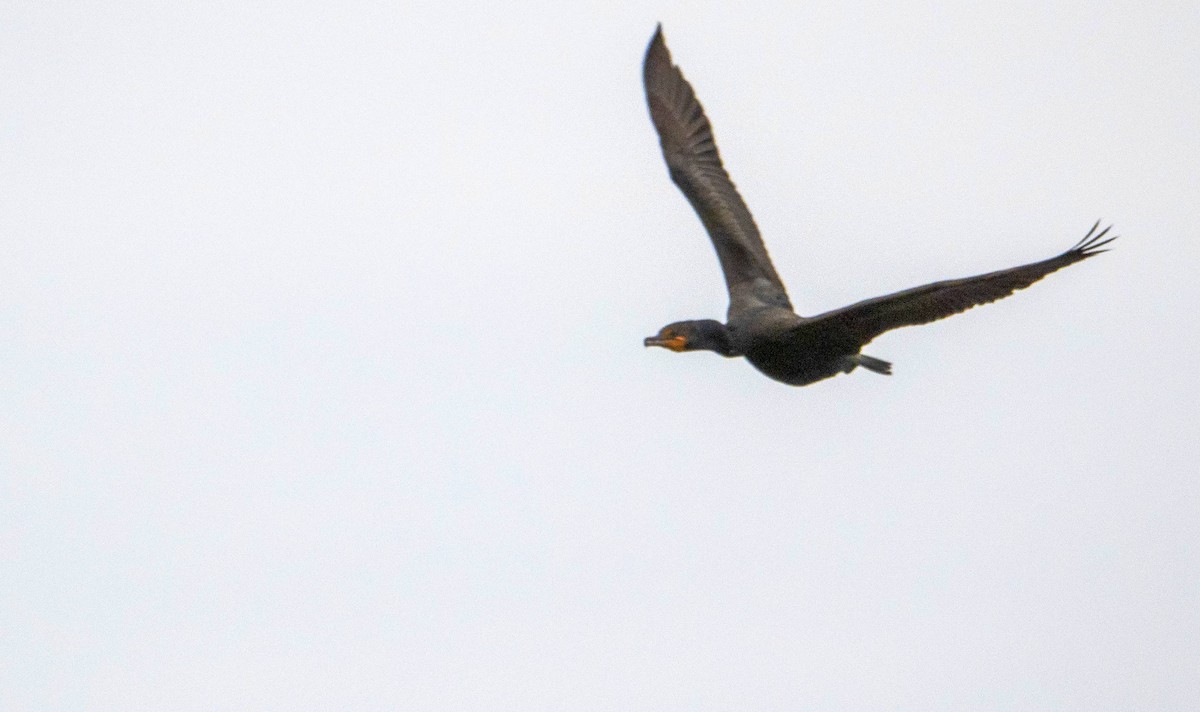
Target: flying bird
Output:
[(760, 323)]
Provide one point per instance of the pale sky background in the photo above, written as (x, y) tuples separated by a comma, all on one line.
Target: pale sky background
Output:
[(322, 384)]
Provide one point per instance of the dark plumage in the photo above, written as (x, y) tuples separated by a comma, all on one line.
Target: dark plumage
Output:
[(760, 323)]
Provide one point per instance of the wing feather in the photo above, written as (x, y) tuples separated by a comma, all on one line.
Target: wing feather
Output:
[(695, 166), (921, 305)]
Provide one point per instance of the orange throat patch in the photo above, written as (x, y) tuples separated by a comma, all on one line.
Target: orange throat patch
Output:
[(675, 343)]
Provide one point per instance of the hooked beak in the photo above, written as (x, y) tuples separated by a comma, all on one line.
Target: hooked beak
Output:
[(675, 343)]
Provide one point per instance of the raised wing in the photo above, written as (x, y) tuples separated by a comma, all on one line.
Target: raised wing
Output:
[(921, 305), (695, 166)]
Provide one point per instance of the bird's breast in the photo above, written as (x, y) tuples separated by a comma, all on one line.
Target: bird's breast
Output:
[(797, 355)]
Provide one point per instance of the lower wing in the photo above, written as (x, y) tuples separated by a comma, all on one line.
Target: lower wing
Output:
[(921, 305)]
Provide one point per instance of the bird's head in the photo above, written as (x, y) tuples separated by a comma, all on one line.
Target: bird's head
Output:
[(697, 335)]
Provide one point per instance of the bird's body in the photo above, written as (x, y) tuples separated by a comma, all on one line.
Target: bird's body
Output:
[(760, 323), (801, 353)]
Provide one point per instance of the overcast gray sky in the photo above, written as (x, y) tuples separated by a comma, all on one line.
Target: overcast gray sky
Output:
[(322, 385)]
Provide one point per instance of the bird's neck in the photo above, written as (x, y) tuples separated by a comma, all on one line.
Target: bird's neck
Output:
[(722, 342)]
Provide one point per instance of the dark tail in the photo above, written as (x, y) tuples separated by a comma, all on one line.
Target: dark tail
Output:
[(871, 363)]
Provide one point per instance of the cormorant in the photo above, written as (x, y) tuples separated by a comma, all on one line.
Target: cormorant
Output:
[(760, 324)]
